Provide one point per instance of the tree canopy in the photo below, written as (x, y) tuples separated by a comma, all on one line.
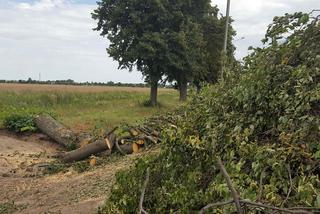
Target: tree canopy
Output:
[(176, 39)]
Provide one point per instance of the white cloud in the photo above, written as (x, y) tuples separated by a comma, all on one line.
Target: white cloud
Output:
[(252, 17), (55, 38), (41, 5)]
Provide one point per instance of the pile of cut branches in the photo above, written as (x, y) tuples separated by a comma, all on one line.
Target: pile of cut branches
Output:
[(263, 125), (125, 139)]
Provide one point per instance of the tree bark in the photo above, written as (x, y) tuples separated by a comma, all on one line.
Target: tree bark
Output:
[(154, 93), (86, 151), (183, 90), (95, 148), (55, 130)]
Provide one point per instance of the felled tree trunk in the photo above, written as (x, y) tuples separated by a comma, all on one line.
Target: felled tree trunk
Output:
[(55, 130), (91, 149), (86, 151)]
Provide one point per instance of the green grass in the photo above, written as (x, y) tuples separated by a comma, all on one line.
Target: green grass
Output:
[(81, 111)]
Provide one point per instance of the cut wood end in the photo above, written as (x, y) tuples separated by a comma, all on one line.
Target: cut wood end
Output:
[(93, 161), (140, 142), (134, 132), (135, 148), (108, 143)]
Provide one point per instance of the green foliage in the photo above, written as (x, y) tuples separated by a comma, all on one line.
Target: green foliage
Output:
[(19, 123), (172, 39), (55, 167), (81, 166), (264, 124), (11, 207), (71, 146)]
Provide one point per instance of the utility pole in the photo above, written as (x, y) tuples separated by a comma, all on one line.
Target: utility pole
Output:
[(227, 28), (224, 52)]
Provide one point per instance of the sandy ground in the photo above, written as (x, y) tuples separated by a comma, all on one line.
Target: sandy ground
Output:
[(68, 192)]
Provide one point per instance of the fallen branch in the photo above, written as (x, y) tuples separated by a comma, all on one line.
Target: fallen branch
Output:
[(290, 188), (261, 185), (233, 191), (141, 210), (293, 210), (260, 205), (219, 204)]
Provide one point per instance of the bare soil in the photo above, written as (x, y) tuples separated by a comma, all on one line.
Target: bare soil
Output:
[(68, 192)]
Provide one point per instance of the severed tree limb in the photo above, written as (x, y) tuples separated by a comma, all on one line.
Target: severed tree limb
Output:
[(293, 210), (119, 149), (141, 210), (261, 184), (290, 188), (215, 205), (112, 131), (234, 193), (255, 204)]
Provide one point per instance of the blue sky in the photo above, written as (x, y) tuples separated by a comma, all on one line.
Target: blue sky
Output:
[(55, 37)]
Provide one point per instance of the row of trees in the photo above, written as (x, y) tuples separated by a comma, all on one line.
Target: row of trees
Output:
[(72, 82), (168, 41)]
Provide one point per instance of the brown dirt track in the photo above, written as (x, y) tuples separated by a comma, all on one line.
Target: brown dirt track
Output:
[(68, 192)]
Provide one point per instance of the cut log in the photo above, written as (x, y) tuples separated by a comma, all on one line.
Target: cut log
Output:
[(124, 149), (140, 142), (86, 151), (55, 130), (93, 161), (90, 149), (133, 132), (110, 141), (135, 148)]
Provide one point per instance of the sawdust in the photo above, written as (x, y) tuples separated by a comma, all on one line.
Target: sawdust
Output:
[(65, 192)]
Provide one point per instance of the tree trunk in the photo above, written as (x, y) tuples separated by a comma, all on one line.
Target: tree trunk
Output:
[(86, 151), (183, 90), (95, 148), (154, 93), (55, 130)]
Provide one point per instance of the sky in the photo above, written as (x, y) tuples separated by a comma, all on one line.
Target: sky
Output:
[(54, 38)]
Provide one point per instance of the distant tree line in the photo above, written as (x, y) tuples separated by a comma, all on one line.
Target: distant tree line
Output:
[(72, 82)]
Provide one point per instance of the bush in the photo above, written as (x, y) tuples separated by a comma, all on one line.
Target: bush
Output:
[(263, 124), (18, 123)]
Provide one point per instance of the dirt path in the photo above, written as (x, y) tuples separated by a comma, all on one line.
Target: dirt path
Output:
[(68, 192)]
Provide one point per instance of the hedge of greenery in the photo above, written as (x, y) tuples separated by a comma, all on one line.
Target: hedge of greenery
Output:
[(263, 124)]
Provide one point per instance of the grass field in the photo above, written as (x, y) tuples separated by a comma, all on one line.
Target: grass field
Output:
[(83, 107)]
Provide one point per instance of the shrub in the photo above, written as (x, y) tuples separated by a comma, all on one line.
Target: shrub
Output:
[(19, 123)]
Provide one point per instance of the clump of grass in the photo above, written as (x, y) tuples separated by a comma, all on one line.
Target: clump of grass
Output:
[(10, 207), (147, 103), (55, 167), (81, 166)]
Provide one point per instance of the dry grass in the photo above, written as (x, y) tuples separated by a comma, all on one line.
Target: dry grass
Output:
[(71, 88)]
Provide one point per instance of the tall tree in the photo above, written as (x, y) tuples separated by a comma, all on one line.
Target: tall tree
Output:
[(195, 47), (135, 30), (185, 43)]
